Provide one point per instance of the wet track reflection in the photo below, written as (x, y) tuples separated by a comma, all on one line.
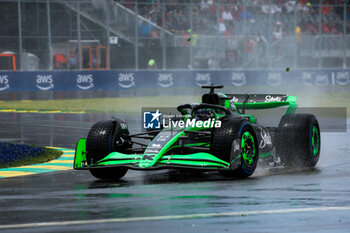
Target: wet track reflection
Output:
[(76, 195)]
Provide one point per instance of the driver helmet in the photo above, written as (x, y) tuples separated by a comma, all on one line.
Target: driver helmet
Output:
[(204, 114)]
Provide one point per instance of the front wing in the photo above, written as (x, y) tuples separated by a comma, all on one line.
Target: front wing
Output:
[(201, 160)]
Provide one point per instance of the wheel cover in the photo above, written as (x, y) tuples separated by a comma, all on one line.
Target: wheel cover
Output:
[(248, 148), (315, 140)]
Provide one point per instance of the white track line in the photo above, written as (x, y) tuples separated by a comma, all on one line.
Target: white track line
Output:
[(172, 217)]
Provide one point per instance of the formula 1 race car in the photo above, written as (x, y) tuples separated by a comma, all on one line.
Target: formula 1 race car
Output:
[(215, 135)]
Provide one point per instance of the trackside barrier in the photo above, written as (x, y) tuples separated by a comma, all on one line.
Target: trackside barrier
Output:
[(130, 79)]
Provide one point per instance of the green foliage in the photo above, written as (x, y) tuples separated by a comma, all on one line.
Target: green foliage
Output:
[(25, 155)]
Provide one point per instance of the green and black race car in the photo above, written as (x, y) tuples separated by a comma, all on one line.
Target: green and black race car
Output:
[(231, 145)]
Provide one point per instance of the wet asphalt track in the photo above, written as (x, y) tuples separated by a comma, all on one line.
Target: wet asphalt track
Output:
[(315, 200)]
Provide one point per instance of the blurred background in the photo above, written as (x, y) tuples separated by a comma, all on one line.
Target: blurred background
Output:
[(174, 34)]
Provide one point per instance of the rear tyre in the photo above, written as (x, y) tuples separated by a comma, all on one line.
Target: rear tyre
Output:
[(105, 137), (298, 140), (222, 143)]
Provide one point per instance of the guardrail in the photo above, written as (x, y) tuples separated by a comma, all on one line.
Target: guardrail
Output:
[(130, 79)]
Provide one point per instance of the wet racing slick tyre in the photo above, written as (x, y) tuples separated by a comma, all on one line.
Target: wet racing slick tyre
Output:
[(222, 144), (105, 137), (298, 140)]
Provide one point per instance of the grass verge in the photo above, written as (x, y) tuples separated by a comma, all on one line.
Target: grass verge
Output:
[(45, 155), (100, 105), (134, 104)]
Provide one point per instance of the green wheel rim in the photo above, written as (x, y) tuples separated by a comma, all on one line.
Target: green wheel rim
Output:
[(248, 148), (315, 140)]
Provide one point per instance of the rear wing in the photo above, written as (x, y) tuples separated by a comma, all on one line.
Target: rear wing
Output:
[(263, 101)]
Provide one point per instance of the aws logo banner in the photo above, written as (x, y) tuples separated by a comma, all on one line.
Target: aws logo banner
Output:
[(203, 79), (85, 81), (323, 78), (274, 78), (165, 79), (45, 82), (341, 78), (126, 80), (4, 82), (238, 79)]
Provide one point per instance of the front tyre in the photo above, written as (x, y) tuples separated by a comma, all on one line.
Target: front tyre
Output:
[(299, 140), (112, 173), (105, 137), (240, 132)]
